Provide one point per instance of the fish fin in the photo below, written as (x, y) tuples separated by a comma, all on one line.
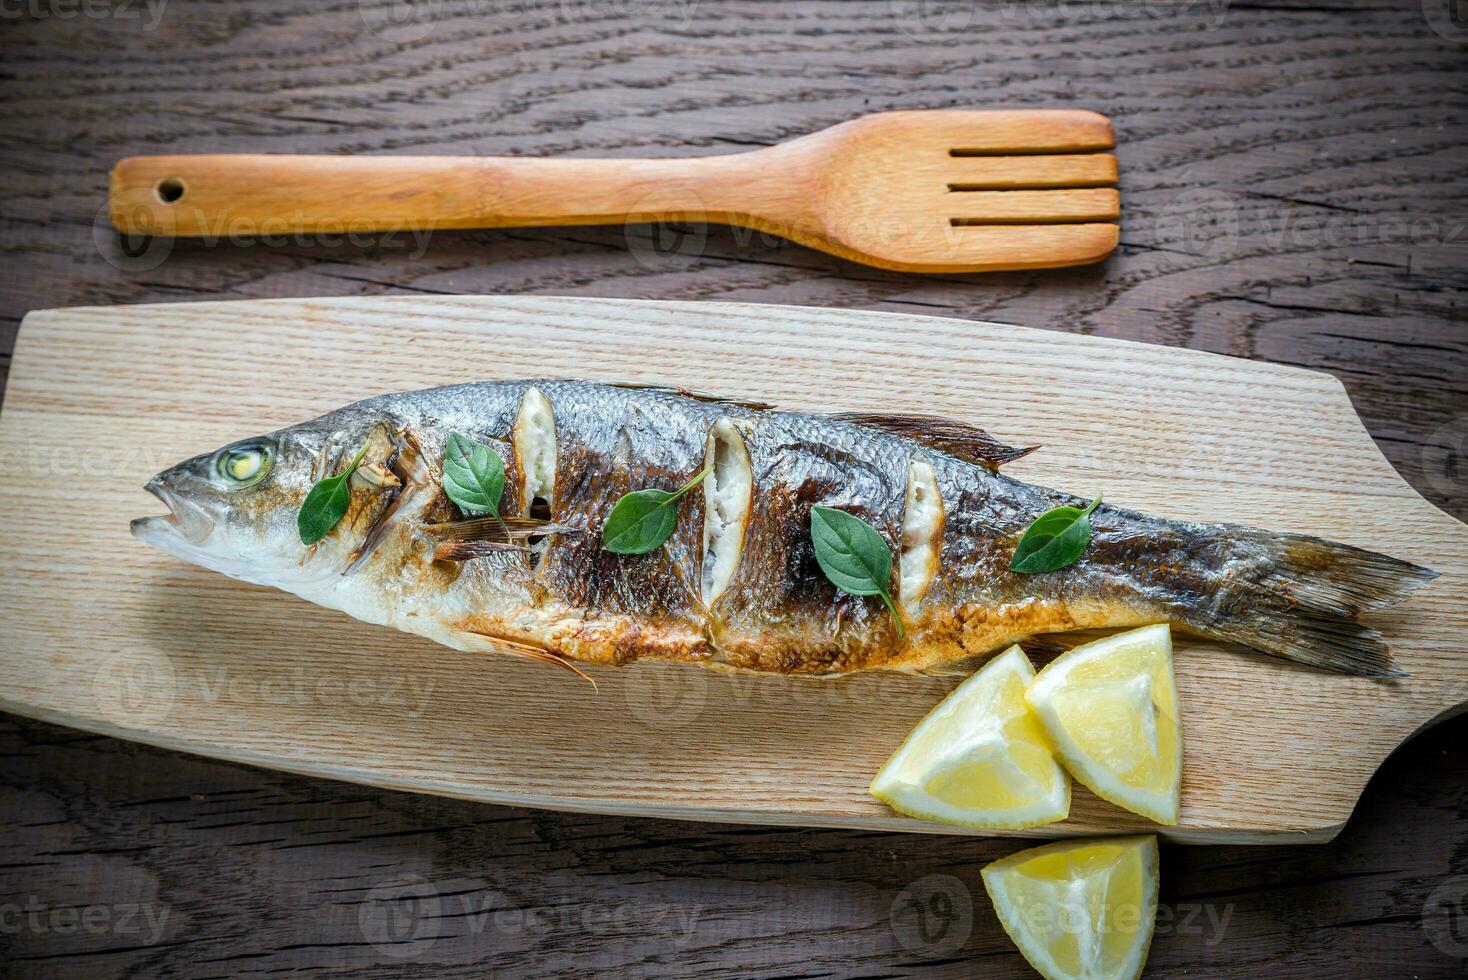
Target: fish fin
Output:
[(698, 396), (520, 648), (408, 476), (961, 668), (501, 530), (1304, 607), (465, 550), (966, 665), (967, 442), (1038, 646), (1332, 643), (1343, 580), (1048, 645)]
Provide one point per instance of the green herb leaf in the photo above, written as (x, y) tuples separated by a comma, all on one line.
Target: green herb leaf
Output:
[(642, 520), (327, 503), (1056, 539), (639, 523), (853, 555), (473, 475)]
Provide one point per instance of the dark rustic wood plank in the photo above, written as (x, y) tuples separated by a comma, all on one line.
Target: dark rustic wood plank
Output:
[(1283, 170), (1293, 190), (246, 872)]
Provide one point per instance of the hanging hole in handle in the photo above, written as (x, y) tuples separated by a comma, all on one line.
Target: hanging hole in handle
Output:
[(169, 189)]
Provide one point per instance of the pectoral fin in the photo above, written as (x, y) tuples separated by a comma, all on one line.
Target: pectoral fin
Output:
[(476, 537), (400, 478), (505, 530), (465, 550)]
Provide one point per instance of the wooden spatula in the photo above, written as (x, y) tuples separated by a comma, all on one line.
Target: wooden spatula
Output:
[(922, 191)]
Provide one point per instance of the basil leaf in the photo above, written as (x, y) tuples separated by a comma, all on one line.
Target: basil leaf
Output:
[(1056, 539), (327, 503), (640, 522), (473, 475), (853, 555)]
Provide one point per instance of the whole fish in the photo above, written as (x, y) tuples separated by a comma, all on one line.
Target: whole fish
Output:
[(737, 586)]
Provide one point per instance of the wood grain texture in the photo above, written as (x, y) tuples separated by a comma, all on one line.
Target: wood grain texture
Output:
[(891, 189), (181, 657), (1324, 143), (234, 871)]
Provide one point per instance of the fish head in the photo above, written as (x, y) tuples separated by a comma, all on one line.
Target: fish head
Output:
[(234, 510)]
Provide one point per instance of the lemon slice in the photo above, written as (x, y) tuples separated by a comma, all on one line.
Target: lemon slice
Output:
[(979, 759), (1079, 909), (1110, 710)]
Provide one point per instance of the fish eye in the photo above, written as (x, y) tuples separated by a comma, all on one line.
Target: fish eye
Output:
[(243, 465)]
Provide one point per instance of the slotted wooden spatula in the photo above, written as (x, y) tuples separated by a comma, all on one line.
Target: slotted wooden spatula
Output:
[(921, 191)]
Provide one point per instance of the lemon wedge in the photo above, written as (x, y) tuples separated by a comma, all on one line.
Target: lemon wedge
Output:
[(1110, 710), (1079, 909), (979, 759)]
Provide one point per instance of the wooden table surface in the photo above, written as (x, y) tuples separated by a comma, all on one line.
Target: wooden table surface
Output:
[(1293, 190)]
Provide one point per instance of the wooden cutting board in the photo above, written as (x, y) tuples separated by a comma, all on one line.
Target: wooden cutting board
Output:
[(105, 634)]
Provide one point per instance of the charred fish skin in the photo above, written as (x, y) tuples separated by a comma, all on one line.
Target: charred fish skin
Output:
[(774, 610), (778, 613)]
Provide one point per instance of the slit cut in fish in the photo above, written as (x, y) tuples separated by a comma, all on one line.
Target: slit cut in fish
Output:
[(922, 536), (726, 495), (535, 450), (535, 454)]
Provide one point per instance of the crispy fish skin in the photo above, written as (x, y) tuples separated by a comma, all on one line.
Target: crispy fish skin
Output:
[(1290, 595)]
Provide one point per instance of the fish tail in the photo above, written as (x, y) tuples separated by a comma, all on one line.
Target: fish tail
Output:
[(1298, 597)]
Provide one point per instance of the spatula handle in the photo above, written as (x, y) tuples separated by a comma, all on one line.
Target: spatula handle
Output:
[(253, 194)]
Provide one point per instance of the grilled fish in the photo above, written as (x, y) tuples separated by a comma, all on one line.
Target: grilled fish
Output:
[(737, 586)]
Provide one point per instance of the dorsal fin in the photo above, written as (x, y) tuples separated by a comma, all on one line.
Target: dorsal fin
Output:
[(698, 396), (967, 442), (955, 438)]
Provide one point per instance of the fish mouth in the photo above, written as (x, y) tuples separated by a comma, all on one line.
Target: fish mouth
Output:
[(185, 520), (187, 532)]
